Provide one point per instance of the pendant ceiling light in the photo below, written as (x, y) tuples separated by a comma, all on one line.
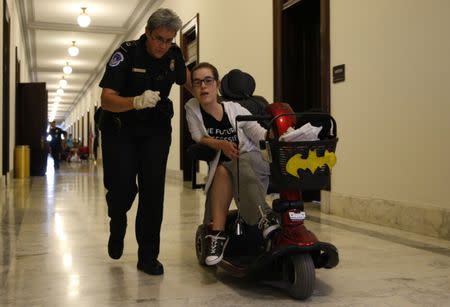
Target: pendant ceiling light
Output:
[(59, 92), (73, 50), (57, 99), (67, 69), (83, 20), (63, 82)]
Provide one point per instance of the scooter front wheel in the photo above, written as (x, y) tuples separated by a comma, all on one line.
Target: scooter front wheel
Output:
[(200, 244), (300, 275)]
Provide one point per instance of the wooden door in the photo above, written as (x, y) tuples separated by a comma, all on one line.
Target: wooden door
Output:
[(302, 58), (6, 101), (89, 131), (302, 54), (31, 124), (83, 138)]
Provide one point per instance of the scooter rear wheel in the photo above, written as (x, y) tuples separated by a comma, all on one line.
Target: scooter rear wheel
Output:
[(300, 275), (200, 244)]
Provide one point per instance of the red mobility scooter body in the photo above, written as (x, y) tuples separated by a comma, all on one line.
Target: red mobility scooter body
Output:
[(292, 253)]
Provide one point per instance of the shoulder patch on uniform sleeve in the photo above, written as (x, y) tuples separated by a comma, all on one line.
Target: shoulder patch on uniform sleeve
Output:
[(116, 59)]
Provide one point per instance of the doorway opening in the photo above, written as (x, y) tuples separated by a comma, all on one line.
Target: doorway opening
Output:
[(189, 44), (302, 58), (6, 101)]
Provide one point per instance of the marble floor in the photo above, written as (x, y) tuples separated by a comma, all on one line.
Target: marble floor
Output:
[(53, 238)]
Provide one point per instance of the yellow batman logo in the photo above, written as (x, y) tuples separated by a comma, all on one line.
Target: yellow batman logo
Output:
[(312, 163)]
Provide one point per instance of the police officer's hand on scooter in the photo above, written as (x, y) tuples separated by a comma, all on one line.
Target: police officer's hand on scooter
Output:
[(148, 99)]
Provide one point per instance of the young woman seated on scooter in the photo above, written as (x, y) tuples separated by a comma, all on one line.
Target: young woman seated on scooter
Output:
[(212, 122)]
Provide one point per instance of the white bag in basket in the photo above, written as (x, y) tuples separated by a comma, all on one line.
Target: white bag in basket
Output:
[(307, 132)]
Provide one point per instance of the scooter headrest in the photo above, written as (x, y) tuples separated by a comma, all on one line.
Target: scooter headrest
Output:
[(237, 84)]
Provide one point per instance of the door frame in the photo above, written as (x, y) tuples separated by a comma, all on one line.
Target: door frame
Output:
[(324, 15), (278, 7), (192, 26), (6, 105)]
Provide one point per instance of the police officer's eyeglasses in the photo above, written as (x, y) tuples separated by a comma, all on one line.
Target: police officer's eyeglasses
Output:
[(161, 40), (208, 81)]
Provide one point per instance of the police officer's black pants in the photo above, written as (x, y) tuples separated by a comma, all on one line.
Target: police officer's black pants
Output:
[(56, 155), (126, 156)]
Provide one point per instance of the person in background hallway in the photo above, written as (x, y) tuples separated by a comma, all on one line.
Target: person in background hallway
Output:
[(69, 142), (67, 148), (136, 133), (56, 143)]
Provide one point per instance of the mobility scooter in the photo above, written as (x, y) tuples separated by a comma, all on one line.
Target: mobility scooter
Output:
[(293, 253)]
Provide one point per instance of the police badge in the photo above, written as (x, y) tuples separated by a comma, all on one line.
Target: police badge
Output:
[(172, 65)]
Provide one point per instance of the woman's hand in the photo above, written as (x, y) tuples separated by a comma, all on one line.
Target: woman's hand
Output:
[(230, 149)]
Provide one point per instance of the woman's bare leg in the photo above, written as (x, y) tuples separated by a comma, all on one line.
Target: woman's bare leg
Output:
[(221, 196)]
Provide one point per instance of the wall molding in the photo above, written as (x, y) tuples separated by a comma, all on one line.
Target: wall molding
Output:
[(423, 219)]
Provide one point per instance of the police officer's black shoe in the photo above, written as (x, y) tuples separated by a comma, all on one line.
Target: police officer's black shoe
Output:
[(115, 247), (152, 268), (117, 229)]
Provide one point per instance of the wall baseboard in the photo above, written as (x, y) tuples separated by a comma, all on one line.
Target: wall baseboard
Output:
[(421, 219), (9, 177), (174, 174)]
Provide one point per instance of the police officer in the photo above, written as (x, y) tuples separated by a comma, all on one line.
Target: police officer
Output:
[(56, 143), (136, 133)]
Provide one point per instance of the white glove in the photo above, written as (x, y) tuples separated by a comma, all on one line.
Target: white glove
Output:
[(148, 99)]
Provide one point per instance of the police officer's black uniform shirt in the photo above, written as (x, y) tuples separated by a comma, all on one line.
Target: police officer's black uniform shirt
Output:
[(56, 134), (132, 70), (221, 130)]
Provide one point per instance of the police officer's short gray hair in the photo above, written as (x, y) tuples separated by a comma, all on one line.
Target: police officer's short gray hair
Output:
[(164, 18)]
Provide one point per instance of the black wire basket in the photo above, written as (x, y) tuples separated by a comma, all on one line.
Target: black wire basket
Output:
[(301, 165), (304, 165)]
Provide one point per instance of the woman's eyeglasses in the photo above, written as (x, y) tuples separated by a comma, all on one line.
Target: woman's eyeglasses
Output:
[(208, 81)]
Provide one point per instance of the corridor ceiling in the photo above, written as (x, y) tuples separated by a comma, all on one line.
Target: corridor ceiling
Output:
[(50, 26)]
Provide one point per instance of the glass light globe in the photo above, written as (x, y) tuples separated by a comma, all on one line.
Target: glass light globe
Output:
[(60, 92), (67, 69), (57, 99), (84, 20), (73, 50), (63, 83)]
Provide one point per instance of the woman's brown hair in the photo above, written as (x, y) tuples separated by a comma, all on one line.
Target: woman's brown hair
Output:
[(208, 66)]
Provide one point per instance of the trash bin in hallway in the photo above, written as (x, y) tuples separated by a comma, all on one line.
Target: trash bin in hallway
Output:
[(22, 161)]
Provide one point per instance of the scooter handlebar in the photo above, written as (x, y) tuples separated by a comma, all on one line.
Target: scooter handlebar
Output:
[(249, 118), (306, 115)]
